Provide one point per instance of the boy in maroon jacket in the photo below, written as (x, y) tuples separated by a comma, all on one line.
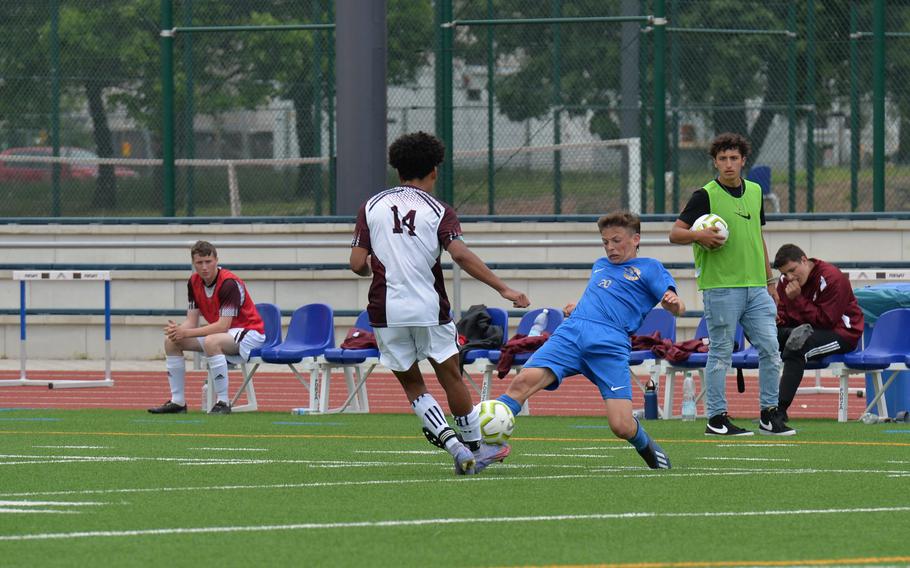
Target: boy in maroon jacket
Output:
[(817, 315)]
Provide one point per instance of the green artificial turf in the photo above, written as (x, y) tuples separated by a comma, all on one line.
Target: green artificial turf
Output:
[(368, 490)]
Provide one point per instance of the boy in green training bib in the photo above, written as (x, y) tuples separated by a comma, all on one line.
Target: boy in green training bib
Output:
[(736, 283)]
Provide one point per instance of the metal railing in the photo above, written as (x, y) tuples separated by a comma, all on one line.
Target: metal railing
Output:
[(286, 243)]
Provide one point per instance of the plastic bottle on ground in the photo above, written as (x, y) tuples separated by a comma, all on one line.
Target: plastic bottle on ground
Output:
[(688, 401)]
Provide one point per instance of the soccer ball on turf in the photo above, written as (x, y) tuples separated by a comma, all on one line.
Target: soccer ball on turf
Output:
[(496, 421), (711, 220)]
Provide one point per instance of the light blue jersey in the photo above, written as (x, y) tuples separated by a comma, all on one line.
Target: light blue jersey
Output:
[(594, 340), (621, 295)]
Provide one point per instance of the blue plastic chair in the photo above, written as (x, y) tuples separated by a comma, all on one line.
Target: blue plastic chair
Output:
[(500, 318), (271, 319), (554, 319), (310, 333), (352, 361), (762, 176), (886, 351), (660, 320), (695, 362), (748, 359)]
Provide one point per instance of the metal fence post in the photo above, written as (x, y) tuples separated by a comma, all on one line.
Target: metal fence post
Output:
[(660, 107), (443, 62), (167, 106), (878, 106)]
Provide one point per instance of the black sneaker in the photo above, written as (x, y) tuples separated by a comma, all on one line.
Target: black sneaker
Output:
[(655, 456), (221, 407), (798, 337), (772, 423), (720, 425), (169, 407)]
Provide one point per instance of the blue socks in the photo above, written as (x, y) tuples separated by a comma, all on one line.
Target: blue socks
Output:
[(641, 439), (513, 404)]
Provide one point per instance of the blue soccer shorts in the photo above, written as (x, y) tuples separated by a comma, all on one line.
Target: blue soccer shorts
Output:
[(597, 351)]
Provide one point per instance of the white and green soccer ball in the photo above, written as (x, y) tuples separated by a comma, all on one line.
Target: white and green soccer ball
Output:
[(711, 220), (496, 422)]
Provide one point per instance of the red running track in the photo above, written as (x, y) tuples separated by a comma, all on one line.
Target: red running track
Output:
[(279, 392)]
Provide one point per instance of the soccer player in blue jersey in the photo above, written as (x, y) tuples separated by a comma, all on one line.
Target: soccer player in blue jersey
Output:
[(595, 340)]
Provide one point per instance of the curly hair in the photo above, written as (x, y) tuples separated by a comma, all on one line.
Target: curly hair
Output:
[(730, 141), (630, 221), (415, 155)]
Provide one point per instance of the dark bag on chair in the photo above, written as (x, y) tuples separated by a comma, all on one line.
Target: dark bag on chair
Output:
[(478, 331)]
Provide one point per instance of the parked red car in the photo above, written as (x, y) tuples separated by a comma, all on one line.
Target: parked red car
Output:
[(13, 170)]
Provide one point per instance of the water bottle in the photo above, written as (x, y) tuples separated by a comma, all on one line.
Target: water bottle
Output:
[(869, 418), (688, 401), (650, 401), (540, 323), (300, 411)]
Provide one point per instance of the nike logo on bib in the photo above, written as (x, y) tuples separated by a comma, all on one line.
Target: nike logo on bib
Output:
[(746, 217)]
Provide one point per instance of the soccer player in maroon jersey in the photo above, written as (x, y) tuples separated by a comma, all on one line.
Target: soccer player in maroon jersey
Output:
[(234, 328), (399, 236), (817, 316)]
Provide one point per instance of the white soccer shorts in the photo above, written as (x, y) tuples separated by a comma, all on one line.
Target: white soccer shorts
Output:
[(249, 339), (401, 347)]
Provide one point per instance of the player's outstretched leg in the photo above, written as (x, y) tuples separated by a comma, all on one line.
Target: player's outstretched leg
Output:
[(649, 450)]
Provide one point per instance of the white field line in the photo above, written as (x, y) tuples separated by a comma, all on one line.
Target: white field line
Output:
[(720, 458), (311, 485), (75, 447), (756, 445), (319, 464), (29, 459), (412, 452), (443, 522), (231, 449), (30, 506), (599, 456), (46, 503), (594, 473), (31, 511), (601, 448), (699, 472)]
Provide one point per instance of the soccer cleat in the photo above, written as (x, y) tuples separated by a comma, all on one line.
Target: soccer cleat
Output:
[(465, 462), (720, 425), (798, 337), (771, 423), (654, 456), (169, 407), (221, 407), (489, 454)]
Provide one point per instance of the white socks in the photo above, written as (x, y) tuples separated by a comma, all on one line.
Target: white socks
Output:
[(434, 420), (176, 376), (469, 426), (218, 368)]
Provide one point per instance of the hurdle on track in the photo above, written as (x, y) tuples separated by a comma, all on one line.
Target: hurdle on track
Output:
[(24, 276)]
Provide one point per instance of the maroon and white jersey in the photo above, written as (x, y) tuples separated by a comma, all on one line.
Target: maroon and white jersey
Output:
[(405, 229)]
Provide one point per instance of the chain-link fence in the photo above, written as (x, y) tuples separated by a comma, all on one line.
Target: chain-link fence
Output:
[(552, 103)]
